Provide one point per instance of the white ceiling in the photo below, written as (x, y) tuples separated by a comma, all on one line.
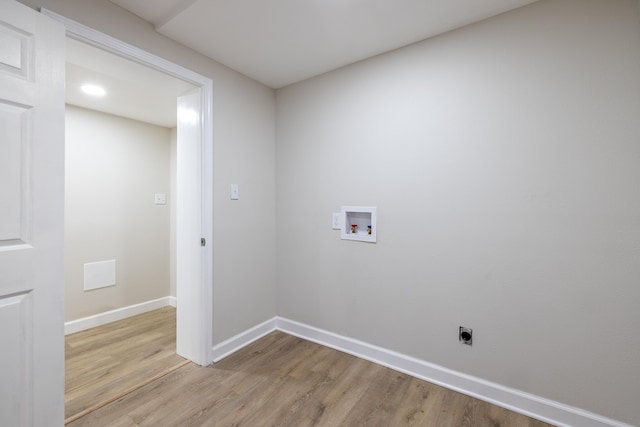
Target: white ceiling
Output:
[(133, 90), (279, 42)]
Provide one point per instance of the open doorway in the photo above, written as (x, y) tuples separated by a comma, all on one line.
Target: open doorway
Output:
[(120, 152), (193, 273), (121, 149), (194, 282)]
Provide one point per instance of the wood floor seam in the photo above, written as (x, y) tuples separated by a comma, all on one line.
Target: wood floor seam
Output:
[(123, 393)]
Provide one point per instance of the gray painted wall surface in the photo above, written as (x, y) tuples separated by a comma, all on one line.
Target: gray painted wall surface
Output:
[(113, 168), (504, 160)]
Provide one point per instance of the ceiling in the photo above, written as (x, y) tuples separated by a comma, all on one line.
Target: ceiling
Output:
[(280, 42), (133, 90)]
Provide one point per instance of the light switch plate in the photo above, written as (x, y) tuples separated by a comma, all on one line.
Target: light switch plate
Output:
[(235, 194), (335, 222)]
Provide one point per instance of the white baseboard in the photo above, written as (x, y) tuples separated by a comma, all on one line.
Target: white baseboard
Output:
[(117, 314), (173, 302), (518, 401), (233, 344)]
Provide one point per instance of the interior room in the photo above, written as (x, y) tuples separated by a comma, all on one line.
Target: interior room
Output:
[(502, 157), (120, 246), (120, 174)]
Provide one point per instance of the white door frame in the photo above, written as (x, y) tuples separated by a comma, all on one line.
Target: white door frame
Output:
[(202, 346)]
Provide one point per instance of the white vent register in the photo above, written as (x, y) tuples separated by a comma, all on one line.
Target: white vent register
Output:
[(99, 274)]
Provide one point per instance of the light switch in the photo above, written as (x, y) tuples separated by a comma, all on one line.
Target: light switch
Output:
[(235, 194), (161, 199), (335, 223)]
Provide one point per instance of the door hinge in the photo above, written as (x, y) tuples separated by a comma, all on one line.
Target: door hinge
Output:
[(203, 242)]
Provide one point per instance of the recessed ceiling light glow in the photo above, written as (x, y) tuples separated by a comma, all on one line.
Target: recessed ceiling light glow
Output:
[(93, 90)]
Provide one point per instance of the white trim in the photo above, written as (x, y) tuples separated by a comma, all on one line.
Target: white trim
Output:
[(243, 339), (203, 345), (515, 400), (89, 322), (173, 302), (533, 406), (88, 35)]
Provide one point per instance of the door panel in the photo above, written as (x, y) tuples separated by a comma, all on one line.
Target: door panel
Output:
[(31, 217), (16, 51), (17, 340), (14, 191), (17, 57)]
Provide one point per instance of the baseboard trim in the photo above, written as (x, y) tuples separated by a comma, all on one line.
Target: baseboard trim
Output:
[(233, 344), (117, 314), (515, 400), (546, 410)]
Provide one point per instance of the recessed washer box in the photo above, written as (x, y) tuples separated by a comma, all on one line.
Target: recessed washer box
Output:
[(359, 223)]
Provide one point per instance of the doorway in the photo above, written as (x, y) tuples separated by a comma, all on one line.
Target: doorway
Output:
[(120, 174), (195, 300), (194, 272)]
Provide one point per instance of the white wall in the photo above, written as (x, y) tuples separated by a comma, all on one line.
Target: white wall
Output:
[(504, 159), (244, 153), (113, 168)]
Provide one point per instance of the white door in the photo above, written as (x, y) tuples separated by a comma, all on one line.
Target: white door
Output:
[(191, 314), (31, 217)]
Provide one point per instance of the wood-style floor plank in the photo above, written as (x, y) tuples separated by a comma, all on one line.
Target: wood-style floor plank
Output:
[(103, 361), (281, 380)]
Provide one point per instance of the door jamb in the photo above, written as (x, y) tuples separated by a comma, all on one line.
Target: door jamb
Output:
[(204, 348)]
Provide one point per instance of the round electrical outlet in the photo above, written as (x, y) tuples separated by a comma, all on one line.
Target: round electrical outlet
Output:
[(465, 335)]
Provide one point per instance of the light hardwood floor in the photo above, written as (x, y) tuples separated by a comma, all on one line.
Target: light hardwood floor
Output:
[(106, 360), (282, 380)]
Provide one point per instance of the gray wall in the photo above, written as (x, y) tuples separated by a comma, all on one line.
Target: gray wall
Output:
[(244, 153), (113, 168), (504, 159)]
